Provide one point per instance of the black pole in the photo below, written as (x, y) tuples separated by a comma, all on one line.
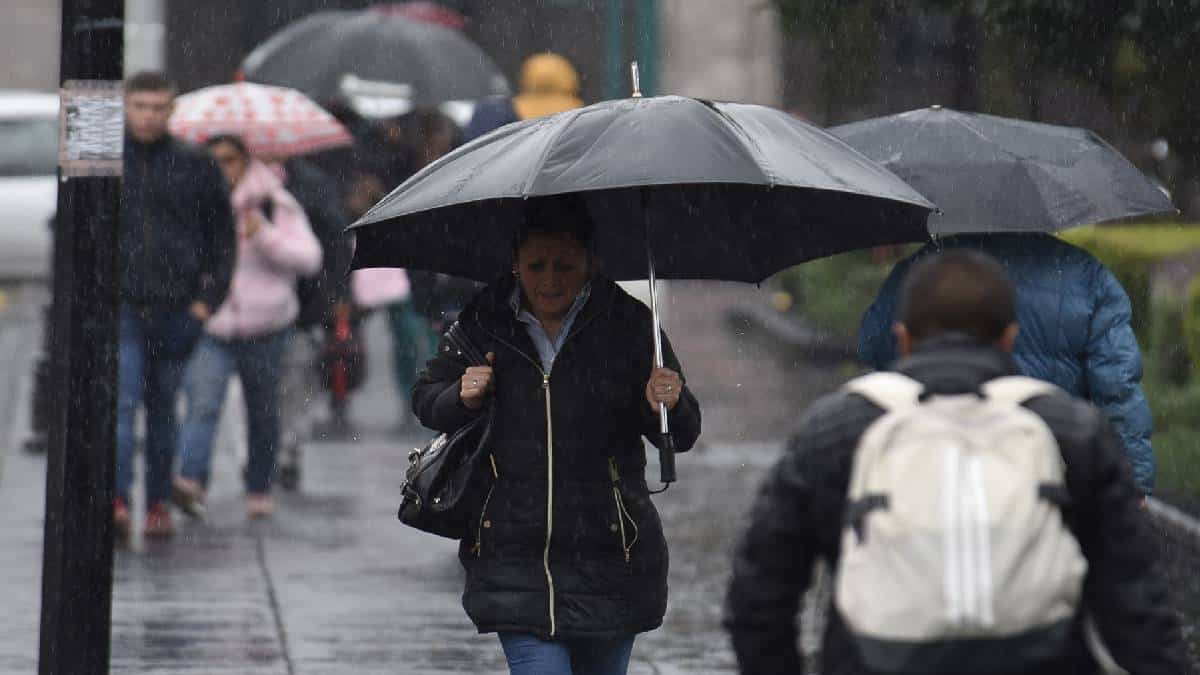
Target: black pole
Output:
[(81, 452)]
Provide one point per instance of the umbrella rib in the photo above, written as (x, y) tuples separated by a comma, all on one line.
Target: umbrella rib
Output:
[(962, 123), (537, 167), (745, 141)]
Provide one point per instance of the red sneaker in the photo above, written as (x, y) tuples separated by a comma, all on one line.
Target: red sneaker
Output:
[(158, 522), (121, 521)]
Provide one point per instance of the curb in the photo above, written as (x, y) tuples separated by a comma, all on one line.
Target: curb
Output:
[(1178, 525)]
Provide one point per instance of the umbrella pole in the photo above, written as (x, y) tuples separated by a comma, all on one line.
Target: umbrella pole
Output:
[(666, 454)]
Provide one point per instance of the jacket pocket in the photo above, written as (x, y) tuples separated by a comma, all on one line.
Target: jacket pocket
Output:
[(484, 523)]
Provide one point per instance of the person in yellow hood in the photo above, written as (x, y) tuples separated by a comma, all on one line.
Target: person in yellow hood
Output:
[(549, 84)]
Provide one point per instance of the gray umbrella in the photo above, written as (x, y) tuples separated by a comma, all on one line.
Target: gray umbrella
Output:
[(678, 187), (340, 54), (994, 174), (718, 190)]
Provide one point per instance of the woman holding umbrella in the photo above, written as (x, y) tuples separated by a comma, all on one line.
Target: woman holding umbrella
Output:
[(566, 559)]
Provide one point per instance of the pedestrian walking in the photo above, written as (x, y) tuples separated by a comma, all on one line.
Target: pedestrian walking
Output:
[(319, 194), (976, 520), (549, 84), (1075, 329), (565, 557), (176, 259), (434, 300), (248, 334)]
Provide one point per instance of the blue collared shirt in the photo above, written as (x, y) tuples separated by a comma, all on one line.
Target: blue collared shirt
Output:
[(547, 349)]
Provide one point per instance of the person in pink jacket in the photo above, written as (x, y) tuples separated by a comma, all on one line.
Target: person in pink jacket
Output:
[(248, 334)]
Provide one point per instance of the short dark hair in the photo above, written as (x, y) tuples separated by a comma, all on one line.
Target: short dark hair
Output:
[(231, 139), (149, 80), (959, 291), (551, 216)]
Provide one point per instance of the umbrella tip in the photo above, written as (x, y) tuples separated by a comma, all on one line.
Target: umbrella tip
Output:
[(637, 81), (935, 106)]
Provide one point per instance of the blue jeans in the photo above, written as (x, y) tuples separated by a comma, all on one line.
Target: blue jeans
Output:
[(528, 655), (153, 348), (258, 362)]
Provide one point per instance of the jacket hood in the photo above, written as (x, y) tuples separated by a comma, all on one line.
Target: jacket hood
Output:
[(259, 183), (549, 84)]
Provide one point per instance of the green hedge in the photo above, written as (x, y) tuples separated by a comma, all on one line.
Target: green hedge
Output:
[(1190, 323), (1131, 251), (833, 293), (1166, 353)]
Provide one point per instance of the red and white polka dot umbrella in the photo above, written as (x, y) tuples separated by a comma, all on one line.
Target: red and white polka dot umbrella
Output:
[(273, 121)]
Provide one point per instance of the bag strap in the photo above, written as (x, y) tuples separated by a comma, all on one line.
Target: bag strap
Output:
[(890, 391), (1017, 389)]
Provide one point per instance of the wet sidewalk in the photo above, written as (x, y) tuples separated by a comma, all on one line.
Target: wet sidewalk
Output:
[(334, 584)]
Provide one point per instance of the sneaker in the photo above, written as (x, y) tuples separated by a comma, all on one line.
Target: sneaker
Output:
[(121, 521), (158, 522), (259, 505), (189, 495)]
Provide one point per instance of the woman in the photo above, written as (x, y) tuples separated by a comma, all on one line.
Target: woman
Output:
[(566, 559), (249, 332)]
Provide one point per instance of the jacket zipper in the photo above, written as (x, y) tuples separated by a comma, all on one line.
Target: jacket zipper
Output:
[(549, 461), (622, 512), (549, 498)]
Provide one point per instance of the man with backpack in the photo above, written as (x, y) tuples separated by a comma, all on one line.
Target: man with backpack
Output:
[(976, 521)]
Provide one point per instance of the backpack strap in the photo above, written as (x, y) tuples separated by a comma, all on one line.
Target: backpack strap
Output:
[(890, 391), (1017, 389)]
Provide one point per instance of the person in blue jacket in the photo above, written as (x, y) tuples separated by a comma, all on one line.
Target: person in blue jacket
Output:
[(1075, 329)]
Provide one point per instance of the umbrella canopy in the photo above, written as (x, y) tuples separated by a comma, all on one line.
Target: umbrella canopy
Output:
[(713, 190), (272, 121), (430, 12), (994, 174), (374, 59)]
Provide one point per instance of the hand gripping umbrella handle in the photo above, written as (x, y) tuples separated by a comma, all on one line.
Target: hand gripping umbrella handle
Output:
[(666, 454)]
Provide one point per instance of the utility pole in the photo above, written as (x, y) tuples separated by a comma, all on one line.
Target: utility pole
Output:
[(76, 614)]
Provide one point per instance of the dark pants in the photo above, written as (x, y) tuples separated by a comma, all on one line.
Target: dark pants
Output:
[(412, 341), (154, 345), (258, 363)]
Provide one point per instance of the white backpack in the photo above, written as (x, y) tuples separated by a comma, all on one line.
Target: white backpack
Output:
[(955, 556)]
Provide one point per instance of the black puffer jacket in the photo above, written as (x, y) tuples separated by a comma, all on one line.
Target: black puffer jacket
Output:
[(567, 543), (798, 518)]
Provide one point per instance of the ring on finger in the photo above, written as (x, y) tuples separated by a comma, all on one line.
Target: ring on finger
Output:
[(474, 383)]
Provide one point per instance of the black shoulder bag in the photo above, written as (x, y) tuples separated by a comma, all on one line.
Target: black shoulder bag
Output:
[(445, 478)]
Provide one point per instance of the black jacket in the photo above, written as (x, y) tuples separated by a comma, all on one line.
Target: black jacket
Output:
[(798, 517), (177, 229), (568, 544), (321, 198)]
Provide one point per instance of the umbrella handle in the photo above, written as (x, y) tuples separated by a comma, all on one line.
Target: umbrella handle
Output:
[(666, 454)]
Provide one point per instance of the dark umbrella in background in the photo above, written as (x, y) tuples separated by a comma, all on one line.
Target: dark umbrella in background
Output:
[(679, 188), (382, 63), (995, 174)]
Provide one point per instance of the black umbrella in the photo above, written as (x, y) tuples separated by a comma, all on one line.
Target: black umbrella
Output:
[(375, 55), (994, 174), (678, 187)]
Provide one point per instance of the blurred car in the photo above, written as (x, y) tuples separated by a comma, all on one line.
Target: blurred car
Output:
[(28, 184)]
